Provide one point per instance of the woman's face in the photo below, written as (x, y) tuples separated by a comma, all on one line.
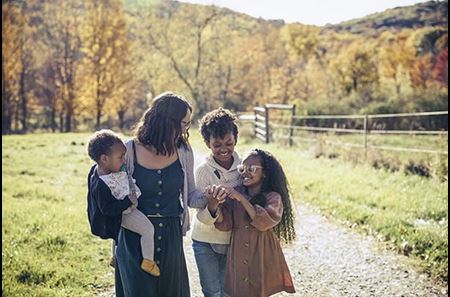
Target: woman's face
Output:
[(186, 122), (222, 148), (251, 171)]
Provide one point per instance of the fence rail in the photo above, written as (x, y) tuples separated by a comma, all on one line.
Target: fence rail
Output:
[(264, 124)]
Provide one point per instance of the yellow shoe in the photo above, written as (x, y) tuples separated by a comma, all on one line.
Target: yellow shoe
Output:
[(150, 267), (112, 262)]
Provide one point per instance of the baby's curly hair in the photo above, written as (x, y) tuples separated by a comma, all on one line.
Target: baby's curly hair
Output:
[(218, 123), (101, 143)]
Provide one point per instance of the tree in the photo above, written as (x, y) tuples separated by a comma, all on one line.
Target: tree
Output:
[(10, 64), (61, 24), (421, 72), (106, 49), (440, 69), (180, 37)]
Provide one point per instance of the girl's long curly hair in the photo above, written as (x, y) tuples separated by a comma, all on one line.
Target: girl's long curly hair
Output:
[(275, 181)]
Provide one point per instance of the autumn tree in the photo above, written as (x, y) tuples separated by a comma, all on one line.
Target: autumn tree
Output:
[(10, 64), (180, 37), (440, 68), (61, 23), (105, 47)]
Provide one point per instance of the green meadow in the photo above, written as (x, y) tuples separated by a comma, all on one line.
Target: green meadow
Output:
[(47, 248)]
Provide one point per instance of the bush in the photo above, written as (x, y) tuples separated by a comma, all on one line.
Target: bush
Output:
[(417, 168)]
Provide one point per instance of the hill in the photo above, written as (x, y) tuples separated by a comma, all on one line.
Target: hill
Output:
[(431, 13)]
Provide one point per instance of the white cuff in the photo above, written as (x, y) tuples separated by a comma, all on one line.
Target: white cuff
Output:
[(204, 216)]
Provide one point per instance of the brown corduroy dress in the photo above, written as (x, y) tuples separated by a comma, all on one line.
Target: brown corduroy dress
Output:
[(256, 266)]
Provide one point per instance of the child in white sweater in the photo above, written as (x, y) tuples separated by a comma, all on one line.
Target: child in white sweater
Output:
[(220, 132)]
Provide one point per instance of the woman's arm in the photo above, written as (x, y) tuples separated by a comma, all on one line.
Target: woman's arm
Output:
[(195, 197)]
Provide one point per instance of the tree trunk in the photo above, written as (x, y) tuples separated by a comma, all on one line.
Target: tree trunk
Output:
[(98, 117), (61, 122), (16, 119), (53, 119), (68, 121), (6, 101), (121, 115), (6, 113), (23, 102), (6, 123)]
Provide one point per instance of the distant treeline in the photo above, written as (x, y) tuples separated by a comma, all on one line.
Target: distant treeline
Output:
[(85, 64)]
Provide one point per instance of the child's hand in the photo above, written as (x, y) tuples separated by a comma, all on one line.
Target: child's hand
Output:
[(220, 193), (215, 195), (233, 194), (207, 193)]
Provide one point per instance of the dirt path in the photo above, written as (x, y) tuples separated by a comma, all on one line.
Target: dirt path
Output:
[(329, 260)]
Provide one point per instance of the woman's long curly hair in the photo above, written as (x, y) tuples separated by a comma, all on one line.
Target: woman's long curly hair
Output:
[(160, 126), (275, 181)]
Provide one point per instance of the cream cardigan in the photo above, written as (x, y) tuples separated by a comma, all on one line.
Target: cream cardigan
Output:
[(211, 173)]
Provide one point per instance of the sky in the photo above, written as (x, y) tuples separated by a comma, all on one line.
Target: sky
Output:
[(310, 12)]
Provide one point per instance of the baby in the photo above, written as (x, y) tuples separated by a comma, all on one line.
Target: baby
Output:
[(116, 194)]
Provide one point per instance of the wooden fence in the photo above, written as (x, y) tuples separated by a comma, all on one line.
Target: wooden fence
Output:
[(265, 124)]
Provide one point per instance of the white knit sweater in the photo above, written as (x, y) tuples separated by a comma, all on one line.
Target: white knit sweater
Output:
[(211, 173)]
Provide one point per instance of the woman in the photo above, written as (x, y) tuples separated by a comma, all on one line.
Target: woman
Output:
[(160, 159)]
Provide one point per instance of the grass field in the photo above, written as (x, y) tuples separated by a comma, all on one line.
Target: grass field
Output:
[(350, 147), (47, 248)]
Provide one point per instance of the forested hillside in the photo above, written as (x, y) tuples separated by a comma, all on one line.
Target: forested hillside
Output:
[(431, 13), (84, 64)]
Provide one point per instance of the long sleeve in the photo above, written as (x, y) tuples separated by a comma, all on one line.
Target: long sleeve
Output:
[(269, 216), (109, 205), (202, 180), (204, 216), (226, 210), (195, 196)]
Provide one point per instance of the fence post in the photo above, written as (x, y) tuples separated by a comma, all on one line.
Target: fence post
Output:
[(256, 121), (366, 130), (291, 133), (267, 123)]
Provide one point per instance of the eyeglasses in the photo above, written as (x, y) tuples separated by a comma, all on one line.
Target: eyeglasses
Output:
[(250, 168)]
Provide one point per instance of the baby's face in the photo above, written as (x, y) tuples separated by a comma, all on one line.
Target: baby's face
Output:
[(117, 157), (222, 148)]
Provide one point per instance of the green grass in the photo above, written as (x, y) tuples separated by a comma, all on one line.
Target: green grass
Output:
[(423, 142), (329, 144), (47, 248), (408, 212)]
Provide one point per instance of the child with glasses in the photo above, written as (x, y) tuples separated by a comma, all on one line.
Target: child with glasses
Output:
[(259, 213)]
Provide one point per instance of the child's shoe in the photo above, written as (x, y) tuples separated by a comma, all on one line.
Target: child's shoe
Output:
[(112, 262), (150, 267)]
